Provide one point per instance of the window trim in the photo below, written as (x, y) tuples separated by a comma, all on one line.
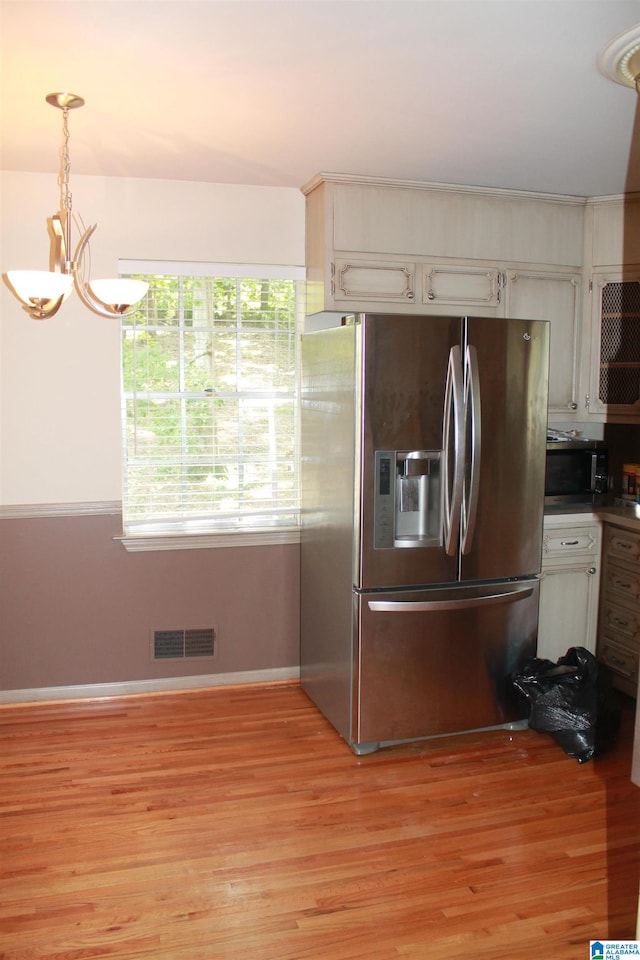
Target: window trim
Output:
[(194, 540), (142, 543), (190, 268)]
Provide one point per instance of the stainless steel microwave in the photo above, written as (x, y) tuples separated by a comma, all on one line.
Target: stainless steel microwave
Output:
[(577, 471)]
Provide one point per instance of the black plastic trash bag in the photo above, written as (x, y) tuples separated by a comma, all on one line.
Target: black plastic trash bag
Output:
[(572, 700)]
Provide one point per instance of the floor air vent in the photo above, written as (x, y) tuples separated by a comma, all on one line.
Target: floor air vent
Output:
[(184, 644)]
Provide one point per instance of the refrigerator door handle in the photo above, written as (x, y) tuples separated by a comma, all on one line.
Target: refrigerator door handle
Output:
[(453, 450), (437, 606), (472, 401)]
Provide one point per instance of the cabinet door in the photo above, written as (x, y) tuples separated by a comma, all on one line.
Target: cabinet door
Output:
[(568, 609), (569, 587), (531, 295), (619, 626), (614, 387), (373, 281), (465, 287)]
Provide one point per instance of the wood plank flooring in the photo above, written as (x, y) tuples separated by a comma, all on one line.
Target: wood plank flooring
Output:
[(235, 823)]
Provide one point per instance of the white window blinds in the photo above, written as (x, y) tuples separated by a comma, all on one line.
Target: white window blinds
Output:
[(210, 386)]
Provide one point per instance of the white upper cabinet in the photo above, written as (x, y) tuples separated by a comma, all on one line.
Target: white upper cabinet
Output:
[(614, 389), (468, 286), (438, 221), (611, 352), (553, 296), (421, 248), (612, 227), (373, 281), (416, 248)]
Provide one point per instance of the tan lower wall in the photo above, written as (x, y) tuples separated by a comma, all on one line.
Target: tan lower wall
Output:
[(76, 608)]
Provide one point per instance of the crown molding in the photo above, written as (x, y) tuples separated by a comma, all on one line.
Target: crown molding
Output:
[(437, 187)]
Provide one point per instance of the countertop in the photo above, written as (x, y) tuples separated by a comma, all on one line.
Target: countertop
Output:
[(623, 516)]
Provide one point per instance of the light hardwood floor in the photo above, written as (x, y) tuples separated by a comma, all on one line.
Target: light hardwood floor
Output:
[(234, 823)]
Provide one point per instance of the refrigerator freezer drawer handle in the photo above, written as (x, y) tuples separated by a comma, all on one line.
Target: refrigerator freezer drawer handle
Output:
[(436, 606)]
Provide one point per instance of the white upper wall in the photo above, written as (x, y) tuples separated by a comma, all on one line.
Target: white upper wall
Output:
[(60, 378)]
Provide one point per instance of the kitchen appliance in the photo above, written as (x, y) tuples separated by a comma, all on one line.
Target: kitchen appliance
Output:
[(423, 455), (577, 471)]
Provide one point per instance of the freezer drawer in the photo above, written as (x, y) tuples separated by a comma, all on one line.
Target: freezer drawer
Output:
[(439, 661)]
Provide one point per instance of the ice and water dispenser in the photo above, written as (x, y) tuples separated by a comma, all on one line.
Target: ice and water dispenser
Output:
[(408, 501)]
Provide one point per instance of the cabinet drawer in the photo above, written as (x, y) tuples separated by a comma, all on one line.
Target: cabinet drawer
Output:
[(624, 621), (618, 658), (622, 544), (570, 542), (623, 583)]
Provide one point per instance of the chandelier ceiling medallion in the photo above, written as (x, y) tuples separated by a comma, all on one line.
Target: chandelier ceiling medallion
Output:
[(620, 60), (42, 292)]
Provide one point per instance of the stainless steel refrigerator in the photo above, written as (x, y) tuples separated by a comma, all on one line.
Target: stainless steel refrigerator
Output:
[(423, 455)]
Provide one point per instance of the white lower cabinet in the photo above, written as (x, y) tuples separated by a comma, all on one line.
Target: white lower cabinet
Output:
[(569, 585)]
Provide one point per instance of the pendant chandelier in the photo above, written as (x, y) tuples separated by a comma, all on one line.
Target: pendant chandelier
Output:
[(42, 292)]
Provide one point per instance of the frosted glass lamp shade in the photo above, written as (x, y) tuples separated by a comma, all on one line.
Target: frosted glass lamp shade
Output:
[(40, 286), (119, 294)]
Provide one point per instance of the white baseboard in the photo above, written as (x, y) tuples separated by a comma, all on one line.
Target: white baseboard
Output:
[(132, 687)]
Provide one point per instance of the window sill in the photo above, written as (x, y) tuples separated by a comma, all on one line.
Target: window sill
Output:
[(140, 543)]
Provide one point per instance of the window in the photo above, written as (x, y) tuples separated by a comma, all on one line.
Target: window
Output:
[(210, 385)]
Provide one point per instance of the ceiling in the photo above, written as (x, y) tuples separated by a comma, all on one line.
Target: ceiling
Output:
[(498, 93)]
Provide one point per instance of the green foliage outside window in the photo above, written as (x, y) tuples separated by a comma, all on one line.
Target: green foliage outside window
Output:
[(209, 368)]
